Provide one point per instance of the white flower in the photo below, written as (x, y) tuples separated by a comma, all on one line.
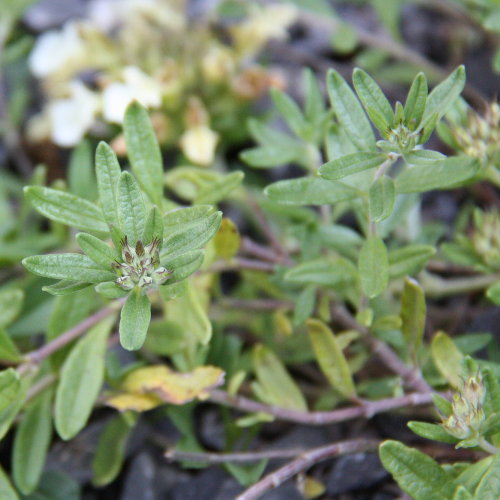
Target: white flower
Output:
[(54, 49), (136, 86), (71, 118), (198, 144)]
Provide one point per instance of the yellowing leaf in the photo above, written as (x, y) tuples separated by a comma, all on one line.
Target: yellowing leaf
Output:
[(136, 402), (227, 239), (310, 487), (148, 387)]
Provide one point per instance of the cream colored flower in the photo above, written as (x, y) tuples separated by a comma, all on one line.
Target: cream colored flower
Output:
[(136, 85), (198, 144), (72, 117), (56, 49)]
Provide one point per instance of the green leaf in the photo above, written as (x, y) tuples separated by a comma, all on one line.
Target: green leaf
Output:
[(413, 314), (190, 311), (350, 164), (66, 208), (110, 452), (416, 473), (443, 96), (110, 290), (304, 305), (275, 386), (220, 189), (447, 358), (131, 208), (8, 350), (445, 174), (194, 236), (7, 491), (415, 102), (167, 337), (67, 266), (182, 266), (432, 431), (373, 266), (143, 151), (309, 191), (349, 112), (11, 302), (472, 475), (314, 107), (493, 293), (178, 218), (331, 272), (153, 228), (101, 253), (108, 176), (247, 475), (9, 387), (65, 287), (9, 413), (488, 487), (80, 381), (330, 358), (134, 320), (56, 485), (381, 197), (81, 178), (31, 443), (372, 97), (423, 157), (291, 112), (409, 259), (269, 156)]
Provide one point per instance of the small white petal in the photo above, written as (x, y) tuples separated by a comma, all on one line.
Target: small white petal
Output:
[(198, 144)]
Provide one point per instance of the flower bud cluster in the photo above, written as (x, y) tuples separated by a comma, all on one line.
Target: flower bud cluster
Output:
[(467, 415), (486, 237), (140, 266), (480, 136), (403, 137)]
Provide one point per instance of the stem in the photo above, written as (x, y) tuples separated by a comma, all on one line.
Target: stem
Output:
[(238, 263), (34, 358), (487, 446), (262, 252), (305, 461), (366, 410), (256, 304), (436, 287), (220, 458)]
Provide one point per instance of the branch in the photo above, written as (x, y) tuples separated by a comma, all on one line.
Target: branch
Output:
[(256, 304), (262, 252), (34, 358), (366, 410), (220, 458), (413, 377), (305, 461), (239, 263)]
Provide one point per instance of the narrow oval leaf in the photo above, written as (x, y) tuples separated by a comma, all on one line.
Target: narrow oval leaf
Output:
[(143, 151), (134, 321), (409, 259), (7, 491), (131, 208), (67, 266), (9, 387), (373, 266), (350, 164), (309, 191), (110, 452), (9, 413), (110, 290), (444, 94), (8, 350), (330, 358), (415, 102), (80, 381), (447, 358), (179, 217), (66, 208), (304, 305), (432, 431), (192, 238), (381, 197), (182, 266), (32, 443), (416, 473), (349, 112), (65, 287), (413, 314), (227, 239), (371, 96), (11, 301), (276, 385), (219, 189), (322, 272), (154, 227), (108, 175), (103, 255), (445, 174), (291, 112), (488, 487)]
